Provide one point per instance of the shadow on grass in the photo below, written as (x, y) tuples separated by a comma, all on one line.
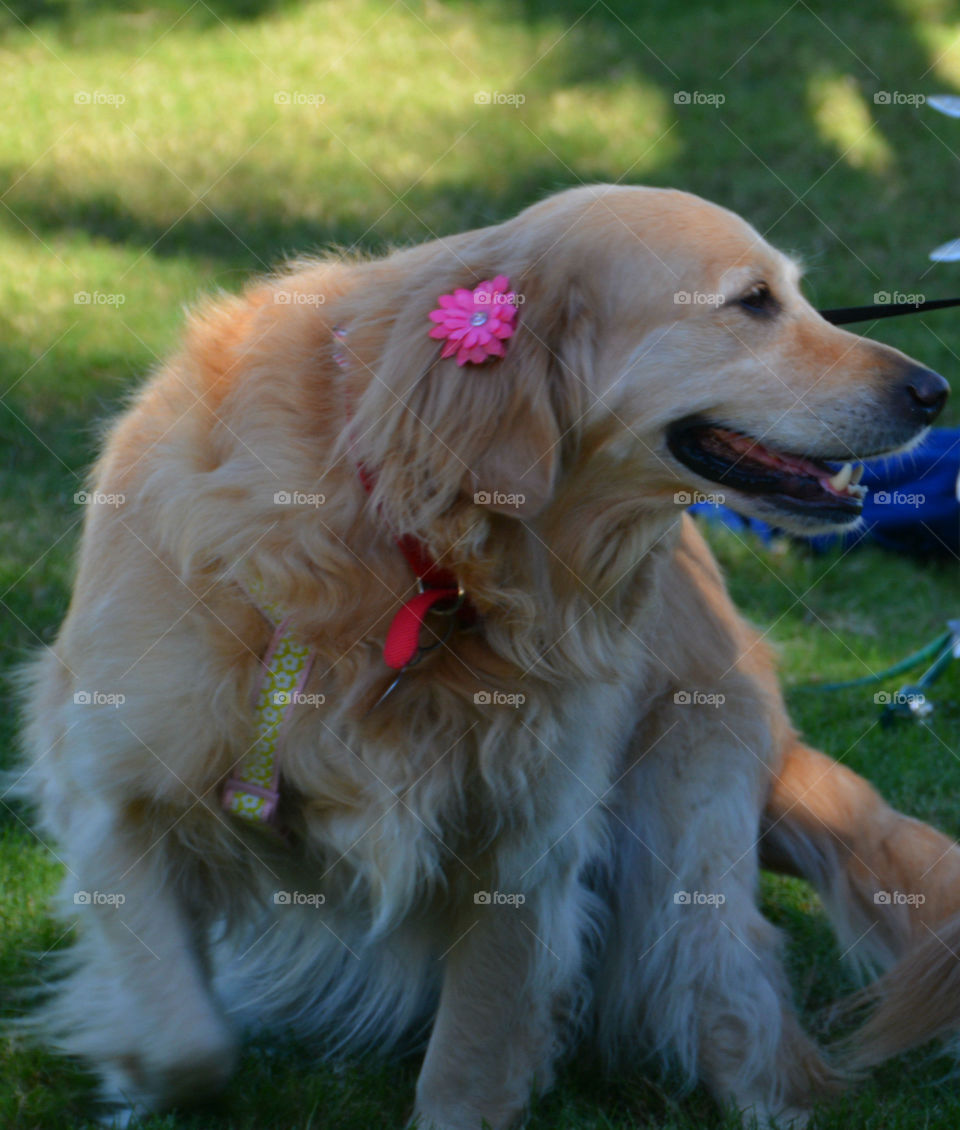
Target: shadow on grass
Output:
[(759, 63), (204, 13)]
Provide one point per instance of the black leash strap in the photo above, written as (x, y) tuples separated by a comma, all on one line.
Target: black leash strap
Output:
[(844, 315)]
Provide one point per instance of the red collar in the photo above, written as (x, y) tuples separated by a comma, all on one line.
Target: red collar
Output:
[(437, 585)]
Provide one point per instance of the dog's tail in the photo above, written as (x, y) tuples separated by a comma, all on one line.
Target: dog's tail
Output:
[(891, 886)]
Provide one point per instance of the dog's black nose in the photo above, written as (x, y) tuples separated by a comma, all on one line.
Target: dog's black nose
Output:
[(926, 393)]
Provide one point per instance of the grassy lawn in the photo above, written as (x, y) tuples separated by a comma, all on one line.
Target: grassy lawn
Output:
[(151, 151)]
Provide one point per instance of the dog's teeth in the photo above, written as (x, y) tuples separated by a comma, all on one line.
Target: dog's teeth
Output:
[(841, 479), (857, 474)]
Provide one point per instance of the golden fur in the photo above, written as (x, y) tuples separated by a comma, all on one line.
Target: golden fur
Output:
[(599, 799)]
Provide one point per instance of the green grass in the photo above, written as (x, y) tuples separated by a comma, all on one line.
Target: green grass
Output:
[(201, 177)]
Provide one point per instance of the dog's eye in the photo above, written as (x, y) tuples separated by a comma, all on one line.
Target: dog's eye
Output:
[(759, 300)]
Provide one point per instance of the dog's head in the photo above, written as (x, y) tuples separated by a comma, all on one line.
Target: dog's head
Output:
[(657, 334)]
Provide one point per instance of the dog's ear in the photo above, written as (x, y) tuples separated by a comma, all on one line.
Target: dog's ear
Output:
[(539, 382), (495, 432)]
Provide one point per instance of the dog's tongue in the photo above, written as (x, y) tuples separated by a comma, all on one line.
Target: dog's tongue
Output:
[(845, 482), (723, 442)]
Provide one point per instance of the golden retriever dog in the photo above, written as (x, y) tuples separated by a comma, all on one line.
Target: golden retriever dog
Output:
[(542, 836)]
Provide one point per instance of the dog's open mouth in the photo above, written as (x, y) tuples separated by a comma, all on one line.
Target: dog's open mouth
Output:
[(804, 486)]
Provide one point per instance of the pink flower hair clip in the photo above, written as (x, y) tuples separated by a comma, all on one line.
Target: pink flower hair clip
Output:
[(476, 322)]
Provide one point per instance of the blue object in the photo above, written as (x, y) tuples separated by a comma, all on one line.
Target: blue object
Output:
[(911, 505)]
